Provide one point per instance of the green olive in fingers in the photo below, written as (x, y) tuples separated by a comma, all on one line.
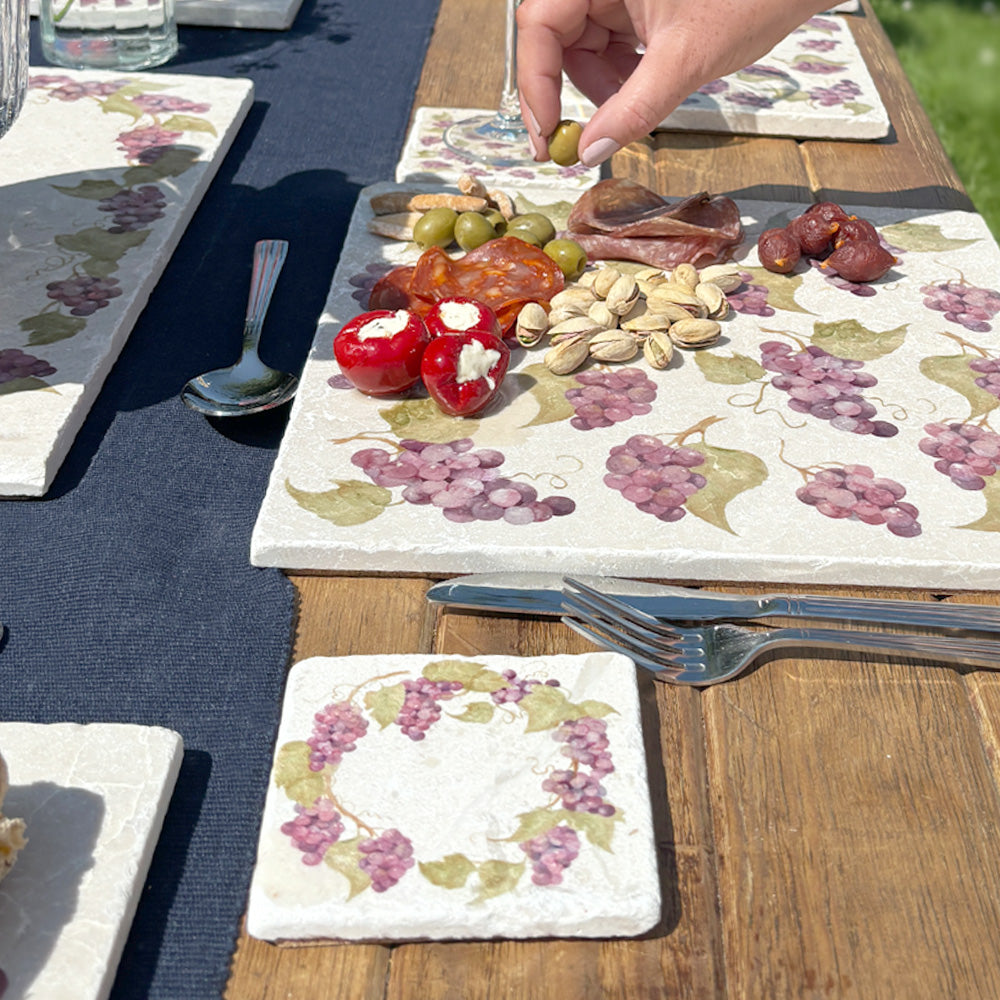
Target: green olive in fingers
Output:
[(569, 255), (540, 226), (435, 228), (473, 230), (564, 143)]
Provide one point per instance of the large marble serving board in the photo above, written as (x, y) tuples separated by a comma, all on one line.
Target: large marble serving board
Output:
[(814, 84), (430, 797), (90, 223), (323, 511), (93, 798)]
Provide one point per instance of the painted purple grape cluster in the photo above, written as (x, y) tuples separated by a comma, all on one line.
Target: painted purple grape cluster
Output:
[(855, 492), (14, 363), (988, 370), (83, 293), (825, 386), (517, 688), (420, 709), (314, 829), (134, 208), (966, 453), (147, 144), (464, 483), (656, 477), (966, 305), (840, 93), (750, 299), (860, 288), (585, 741), (386, 859), (606, 398), (551, 853), (336, 731), (586, 744)]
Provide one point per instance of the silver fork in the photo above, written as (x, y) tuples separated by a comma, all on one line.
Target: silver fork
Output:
[(709, 654)]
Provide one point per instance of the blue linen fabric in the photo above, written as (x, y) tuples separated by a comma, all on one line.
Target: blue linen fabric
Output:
[(127, 592)]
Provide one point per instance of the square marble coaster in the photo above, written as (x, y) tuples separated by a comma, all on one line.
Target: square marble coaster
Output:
[(444, 797), (922, 341), (812, 85), (93, 800), (429, 155), (90, 223)]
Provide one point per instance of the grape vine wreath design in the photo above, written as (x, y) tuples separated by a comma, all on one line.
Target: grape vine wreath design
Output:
[(548, 836), (125, 210)]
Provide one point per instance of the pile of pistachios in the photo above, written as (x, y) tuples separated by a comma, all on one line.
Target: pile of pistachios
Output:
[(612, 315)]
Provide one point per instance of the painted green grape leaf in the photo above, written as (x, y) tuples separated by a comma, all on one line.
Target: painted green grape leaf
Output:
[(535, 823), (27, 384), (385, 703), (144, 86), (423, 420), (781, 288), (343, 857), (118, 103), (954, 372), (454, 670), (594, 709), (189, 123), (291, 773), (549, 391), (477, 711), (729, 473), (599, 830), (498, 877), (351, 502), (921, 237), (547, 707), (101, 244), (451, 872), (486, 681), (847, 338), (172, 161), (734, 369), (93, 189), (990, 521), (48, 327), (856, 107)]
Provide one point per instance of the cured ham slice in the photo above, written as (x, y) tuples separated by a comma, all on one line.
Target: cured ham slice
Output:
[(619, 219)]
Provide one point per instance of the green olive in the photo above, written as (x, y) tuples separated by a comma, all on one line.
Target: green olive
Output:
[(533, 222), (569, 255), (435, 228), (526, 235), (495, 218), (563, 145), (473, 230)]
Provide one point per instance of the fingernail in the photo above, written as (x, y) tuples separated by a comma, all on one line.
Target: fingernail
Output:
[(598, 151), (534, 144)]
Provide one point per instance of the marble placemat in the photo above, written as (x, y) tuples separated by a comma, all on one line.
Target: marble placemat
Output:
[(812, 85), (90, 223), (93, 800), (424, 796), (920, 368)]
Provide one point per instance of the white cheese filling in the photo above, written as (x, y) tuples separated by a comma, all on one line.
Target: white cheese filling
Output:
[(475, 361), (384, 326), (458, 315)]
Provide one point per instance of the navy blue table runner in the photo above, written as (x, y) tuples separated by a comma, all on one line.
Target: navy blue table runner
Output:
[(127, 592)]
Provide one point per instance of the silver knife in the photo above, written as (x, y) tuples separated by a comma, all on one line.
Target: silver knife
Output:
[(541, 594)]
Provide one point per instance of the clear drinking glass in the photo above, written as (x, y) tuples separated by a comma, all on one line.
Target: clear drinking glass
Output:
[(13, 59), (108, 34), (500, 139)]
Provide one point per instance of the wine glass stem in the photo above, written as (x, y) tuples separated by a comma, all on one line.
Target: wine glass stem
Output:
[(510, 108)]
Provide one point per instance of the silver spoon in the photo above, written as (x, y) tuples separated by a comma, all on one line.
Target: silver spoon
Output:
[(249, 386)]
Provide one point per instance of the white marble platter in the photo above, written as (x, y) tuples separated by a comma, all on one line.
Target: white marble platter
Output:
[(93, 799), (263, 14), (814, 84), (323, 511), (91, 218), (430, 797)]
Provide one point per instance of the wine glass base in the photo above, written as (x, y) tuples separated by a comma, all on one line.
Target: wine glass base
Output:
[(491, 140)]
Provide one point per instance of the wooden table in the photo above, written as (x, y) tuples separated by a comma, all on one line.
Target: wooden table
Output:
[(825, 827)]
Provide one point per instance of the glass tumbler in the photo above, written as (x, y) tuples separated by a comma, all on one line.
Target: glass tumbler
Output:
[(13, 59), (108, 34)]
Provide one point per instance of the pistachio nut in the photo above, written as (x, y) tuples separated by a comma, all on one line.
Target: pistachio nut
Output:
[(602, 315), (604, 279), (671, 294), (613, 345), (586, 280), (574, 298), (726, 276), (716, 303), (695, 332), (532, 322), (685, 274), (568, 355), (622, 295), (658, 349), (651, 275), (575, 324), (641, 319)]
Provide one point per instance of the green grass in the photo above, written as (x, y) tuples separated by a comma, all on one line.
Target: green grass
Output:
[(950, 50)]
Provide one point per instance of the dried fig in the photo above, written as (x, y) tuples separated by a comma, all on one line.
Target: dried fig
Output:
[(778, 250), (860, 261), (813, 232), (828, 210), (855, 229)]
